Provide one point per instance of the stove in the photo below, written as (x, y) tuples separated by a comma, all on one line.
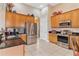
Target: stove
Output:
[(62, 41)]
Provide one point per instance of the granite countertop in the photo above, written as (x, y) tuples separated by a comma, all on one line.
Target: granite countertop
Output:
[(62, 35), (59, 33), (11, 41), (12, 36)]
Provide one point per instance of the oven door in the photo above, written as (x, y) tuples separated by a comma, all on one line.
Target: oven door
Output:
[(62, 41)]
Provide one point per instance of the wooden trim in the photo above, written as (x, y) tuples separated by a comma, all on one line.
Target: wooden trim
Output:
[(19, 14), (66, 12)]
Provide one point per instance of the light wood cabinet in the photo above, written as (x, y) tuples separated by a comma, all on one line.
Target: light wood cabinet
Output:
[(53, 38), (30, 19), (61, 17), (10, 19), (22, 21), (17, 20), (23, 37), (54, 22), (73, 16), (67, 16)]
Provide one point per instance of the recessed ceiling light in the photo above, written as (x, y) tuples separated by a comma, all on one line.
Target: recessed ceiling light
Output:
[(41, 6)]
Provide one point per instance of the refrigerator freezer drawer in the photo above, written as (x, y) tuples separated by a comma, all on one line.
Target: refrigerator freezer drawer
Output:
[(31, 40)]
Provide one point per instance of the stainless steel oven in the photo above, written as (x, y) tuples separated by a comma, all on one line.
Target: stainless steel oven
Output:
[(62, 41)]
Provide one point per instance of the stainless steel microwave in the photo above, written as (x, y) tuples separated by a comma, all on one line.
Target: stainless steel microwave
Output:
[(65, 24)]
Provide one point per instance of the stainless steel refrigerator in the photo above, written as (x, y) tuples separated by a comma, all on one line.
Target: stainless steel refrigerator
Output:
[(31, 32)]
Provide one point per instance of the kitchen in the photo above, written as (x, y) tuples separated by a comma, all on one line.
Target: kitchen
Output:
[(39, 29)]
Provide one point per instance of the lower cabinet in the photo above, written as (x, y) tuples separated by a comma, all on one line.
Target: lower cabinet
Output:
[(53, 38), (23, 37), (15, 42)]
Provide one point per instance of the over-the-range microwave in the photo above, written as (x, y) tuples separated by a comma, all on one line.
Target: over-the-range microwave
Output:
[(65, 24)]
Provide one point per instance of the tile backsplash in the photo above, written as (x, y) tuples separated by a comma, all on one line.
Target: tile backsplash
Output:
[(71, 29)]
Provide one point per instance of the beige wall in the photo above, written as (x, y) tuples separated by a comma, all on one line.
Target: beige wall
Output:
[(25, 9), (64, 7)]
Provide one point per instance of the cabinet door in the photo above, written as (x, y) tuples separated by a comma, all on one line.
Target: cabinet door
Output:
[(10, 19), (20, 20), (75, 19), (30, 19), (23, 37), (61, 17), (54, 22), (53, 38), (65, 16), (68, 15)]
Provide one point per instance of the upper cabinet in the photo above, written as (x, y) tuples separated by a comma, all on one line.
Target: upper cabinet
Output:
[(75, 18), (54, 21), (10, 17), (17, 20), (30, 19), (67, 15), (20, 20), (68, 19)]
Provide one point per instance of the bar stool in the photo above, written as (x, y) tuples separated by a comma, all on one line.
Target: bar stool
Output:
[(74, 41)]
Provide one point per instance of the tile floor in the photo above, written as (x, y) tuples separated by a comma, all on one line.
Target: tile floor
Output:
[(12, 51), (42, 48), (48, 49)]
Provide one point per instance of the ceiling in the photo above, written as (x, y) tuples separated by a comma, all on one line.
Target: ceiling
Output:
[(38, 5), (41, 5)]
